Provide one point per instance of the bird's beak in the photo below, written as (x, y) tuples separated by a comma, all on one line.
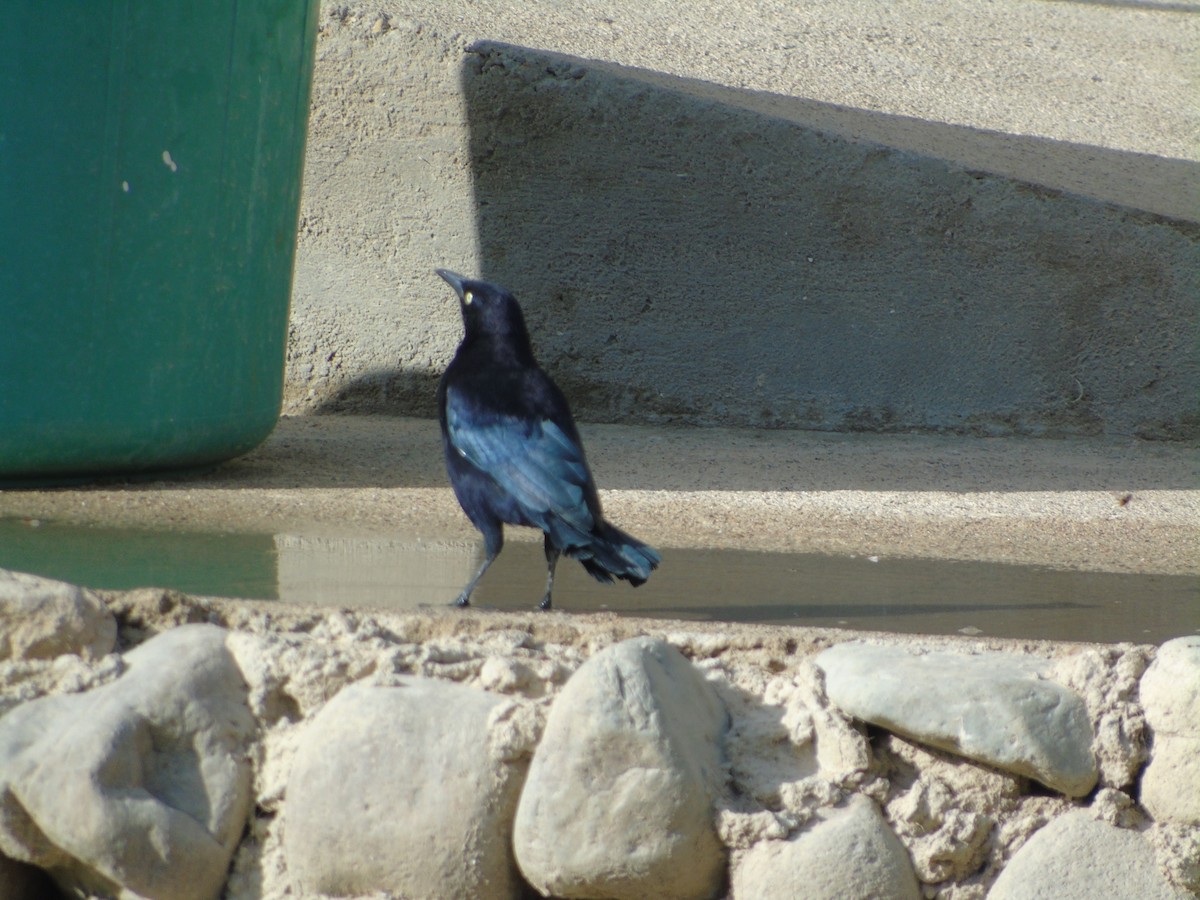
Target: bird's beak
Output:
[(453, 279)]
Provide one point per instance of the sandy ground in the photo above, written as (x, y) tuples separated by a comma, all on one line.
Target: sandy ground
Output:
[(1097, 505)]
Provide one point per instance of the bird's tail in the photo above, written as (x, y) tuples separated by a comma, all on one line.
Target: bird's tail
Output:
[(612, 553)]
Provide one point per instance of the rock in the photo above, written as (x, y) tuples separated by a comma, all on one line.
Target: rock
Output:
[(1106, 678), (41, 619), (789, 752), (404, 790), (948, 812), (619, 798), (1076, 857), (946, 842), (766, 756), (849, 853), (140, 786), (1177, 848), (993, 707), (1170, 788), (1170, 694)]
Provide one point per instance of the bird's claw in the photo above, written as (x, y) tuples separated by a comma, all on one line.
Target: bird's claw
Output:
[(545, 605)]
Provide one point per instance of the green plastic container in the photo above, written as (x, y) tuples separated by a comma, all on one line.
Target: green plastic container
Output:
[(150, 165)]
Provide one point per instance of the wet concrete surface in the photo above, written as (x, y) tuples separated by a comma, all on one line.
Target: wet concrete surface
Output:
[(407, 572)]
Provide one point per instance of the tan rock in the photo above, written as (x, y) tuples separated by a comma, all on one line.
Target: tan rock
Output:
[(1076, 857), (41, 618), (1170, 694), (140, 787), (619, 798), (995, 707), (850, 853), (405, 790)]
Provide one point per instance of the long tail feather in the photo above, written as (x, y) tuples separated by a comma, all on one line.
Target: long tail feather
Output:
[(614, 554)]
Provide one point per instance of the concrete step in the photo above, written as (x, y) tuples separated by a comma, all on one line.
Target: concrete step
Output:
[(1094, 504)]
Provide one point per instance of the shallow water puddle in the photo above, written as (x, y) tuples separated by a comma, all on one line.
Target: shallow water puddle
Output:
[(401, 573)]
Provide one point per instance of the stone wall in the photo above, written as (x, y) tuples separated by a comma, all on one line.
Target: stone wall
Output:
[(156, 745)]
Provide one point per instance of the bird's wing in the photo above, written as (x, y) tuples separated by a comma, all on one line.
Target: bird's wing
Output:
[(534, 460)]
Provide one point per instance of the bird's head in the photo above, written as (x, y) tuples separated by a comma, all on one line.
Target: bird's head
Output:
[(489, 312)]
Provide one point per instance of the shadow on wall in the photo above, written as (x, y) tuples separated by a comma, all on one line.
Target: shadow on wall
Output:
[(695, 254), (404, 392), (1155, 5)]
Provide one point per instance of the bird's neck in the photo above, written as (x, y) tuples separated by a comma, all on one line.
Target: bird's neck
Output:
[(507, 350)]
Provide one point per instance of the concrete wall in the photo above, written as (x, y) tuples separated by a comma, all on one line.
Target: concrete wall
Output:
[(691, 253)]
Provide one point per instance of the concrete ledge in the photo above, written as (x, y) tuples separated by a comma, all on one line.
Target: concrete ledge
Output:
[(1096, 504)]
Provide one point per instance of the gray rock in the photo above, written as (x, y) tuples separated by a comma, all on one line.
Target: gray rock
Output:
[(619, 798), (993, 707), (1076, 857), (1170, 695), (849, 853), (141, 786), (41, 618), (1170, 689), (404, 790)]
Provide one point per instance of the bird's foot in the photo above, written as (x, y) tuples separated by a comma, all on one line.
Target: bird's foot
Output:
[(462, 601), (545, 604)]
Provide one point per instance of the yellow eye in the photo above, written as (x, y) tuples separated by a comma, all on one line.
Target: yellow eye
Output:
[(468, 297)]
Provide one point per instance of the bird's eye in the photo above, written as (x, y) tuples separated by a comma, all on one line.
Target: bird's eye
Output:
[(468, 297)]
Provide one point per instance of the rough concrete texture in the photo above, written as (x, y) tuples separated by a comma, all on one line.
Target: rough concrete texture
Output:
[(854, 217), (793, 759)]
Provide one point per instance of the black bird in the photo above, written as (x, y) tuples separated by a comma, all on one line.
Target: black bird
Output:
[(512, 449)]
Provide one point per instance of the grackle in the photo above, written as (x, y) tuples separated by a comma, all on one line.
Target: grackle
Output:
[(512, 449)]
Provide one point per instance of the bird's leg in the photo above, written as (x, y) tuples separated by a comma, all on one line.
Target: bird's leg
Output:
[(492, 542), (552, 555), (464, 599)]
